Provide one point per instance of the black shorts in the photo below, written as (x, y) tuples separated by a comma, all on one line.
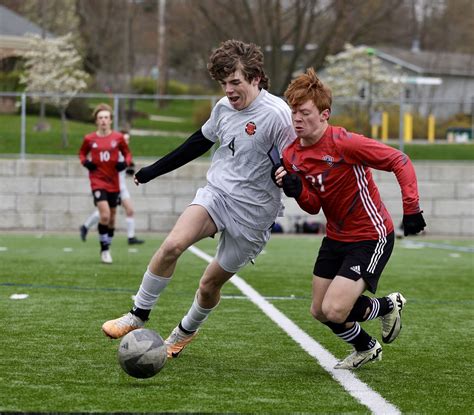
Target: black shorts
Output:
[(354, 260), (113, 198)]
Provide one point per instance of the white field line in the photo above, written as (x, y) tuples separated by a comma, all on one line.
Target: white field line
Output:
[(358, 389)]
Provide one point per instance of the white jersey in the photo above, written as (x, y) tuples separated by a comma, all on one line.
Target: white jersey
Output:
[(240, 168)]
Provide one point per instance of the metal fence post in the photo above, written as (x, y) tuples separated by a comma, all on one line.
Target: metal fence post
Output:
[(401, 121), (23, 127), (116, 112), (472, 117)]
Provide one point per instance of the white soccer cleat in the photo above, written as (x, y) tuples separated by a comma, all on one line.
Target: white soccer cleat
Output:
[(121, 326), (357, 359), (392, 322), (105, 257), (177, 341)]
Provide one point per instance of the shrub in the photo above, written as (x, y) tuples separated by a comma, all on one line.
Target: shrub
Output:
[(79, 110), (144, 85), (147, 85), (177, 88), (458, 121), (201, 113), (10, 81)]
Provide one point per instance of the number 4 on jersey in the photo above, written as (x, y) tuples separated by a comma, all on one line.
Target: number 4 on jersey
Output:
[(232, 146)]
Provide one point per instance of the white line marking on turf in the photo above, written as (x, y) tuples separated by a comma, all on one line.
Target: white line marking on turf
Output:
[(18, 296), (418, 245), (244, 297), (358, 389)]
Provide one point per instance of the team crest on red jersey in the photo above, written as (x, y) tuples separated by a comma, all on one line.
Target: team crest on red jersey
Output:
[(329, 160), (250, 128)]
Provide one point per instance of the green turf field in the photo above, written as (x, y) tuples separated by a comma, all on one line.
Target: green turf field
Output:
[(54, 357)]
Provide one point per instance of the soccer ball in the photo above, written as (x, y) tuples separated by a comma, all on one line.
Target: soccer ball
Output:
[(142, 353)]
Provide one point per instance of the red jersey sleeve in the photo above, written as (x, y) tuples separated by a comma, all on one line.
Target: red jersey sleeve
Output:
[(84, 150), (358, 149)]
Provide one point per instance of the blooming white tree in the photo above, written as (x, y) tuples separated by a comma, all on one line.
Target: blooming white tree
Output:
[(53, 66), (358, 68)]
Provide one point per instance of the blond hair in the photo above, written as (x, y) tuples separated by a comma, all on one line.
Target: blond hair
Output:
[(101, 107)]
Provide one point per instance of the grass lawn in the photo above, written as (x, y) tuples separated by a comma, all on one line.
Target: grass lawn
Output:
[(55, 358)]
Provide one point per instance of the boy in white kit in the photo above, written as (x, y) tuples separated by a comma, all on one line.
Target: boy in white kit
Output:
[(240, 199)]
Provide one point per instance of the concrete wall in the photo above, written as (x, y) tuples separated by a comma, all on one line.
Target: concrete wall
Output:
[(54, 195)]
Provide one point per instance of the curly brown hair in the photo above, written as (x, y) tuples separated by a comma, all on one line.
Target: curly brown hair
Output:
[(306, 87), (102, 107), (235, 54)]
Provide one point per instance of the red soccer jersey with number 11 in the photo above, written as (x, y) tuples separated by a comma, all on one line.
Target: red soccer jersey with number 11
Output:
[(104, 153), (336, 177)]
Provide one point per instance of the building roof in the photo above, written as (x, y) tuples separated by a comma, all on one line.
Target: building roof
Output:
[(429, 62), (12, 24), (13, 31)]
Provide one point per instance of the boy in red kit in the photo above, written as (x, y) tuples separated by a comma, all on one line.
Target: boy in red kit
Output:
[(328, 168), (103, 148)]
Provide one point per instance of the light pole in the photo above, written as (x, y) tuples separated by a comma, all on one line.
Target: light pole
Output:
[(370, 54), (161, 47)]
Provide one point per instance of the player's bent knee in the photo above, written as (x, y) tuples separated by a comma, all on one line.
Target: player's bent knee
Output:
[(172, 249), (317, 313), (334, 314)]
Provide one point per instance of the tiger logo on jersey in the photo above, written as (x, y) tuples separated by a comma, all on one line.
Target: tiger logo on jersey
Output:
[(250, 128)]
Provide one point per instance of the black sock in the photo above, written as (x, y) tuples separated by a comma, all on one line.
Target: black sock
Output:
[(103, 237), (377, 307), (355, 335), (184, 330), (141, 313), (359, 309)]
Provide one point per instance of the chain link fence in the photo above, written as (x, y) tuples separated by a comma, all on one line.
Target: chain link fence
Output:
[(30, 125)]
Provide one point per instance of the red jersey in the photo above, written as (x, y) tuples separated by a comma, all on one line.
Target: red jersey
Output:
[(336, 177), (104, 153)]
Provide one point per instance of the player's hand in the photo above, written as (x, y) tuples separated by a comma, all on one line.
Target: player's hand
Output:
[(292, 185), (277, 174), (130, 169), (412, 224), (89, 165), (121, 166), (143, 175)]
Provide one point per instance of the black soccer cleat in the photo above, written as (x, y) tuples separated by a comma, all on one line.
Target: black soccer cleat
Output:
[(83, 230), (135, 241)]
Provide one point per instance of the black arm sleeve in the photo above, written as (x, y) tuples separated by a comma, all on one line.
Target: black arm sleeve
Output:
[(192, 148)]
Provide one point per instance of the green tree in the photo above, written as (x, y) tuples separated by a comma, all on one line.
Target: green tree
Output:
[(54, 67)]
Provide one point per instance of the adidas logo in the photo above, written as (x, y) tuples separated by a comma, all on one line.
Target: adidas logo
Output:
[(295, 168), (356, 268)]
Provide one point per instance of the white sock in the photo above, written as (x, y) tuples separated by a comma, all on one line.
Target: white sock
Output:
[(196, 316), (150, 289), (92, 220), (130, 227)]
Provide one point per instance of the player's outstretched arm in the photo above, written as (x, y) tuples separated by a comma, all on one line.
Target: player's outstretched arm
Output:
[(192, 148)]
